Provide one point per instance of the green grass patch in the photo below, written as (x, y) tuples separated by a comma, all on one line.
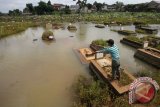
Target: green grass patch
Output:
[(125, 80), (100, 42), (10, 28), (134, 38), (140, 31), (90, 93)]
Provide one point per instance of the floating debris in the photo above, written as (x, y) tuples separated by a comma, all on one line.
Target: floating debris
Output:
[(71, 27), (71, 36), (100, 26), (35, 39)]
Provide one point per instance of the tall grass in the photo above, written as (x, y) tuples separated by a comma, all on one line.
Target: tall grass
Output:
[(121, 17), (91, 93), (10, 28)]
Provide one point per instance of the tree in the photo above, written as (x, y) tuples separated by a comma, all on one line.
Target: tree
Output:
[(30, 8), (15, 12), (129, 8), (98, 6), (119, 6), (1, 13), (89, 6), (41, 8), (10, 13), (49, 7), (81, 4), (67, 10), (49, 3)]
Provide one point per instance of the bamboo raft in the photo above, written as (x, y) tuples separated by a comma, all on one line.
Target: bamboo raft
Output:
[(101, 66)]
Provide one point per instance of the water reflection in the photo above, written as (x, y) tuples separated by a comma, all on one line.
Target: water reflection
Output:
[(81, 34)]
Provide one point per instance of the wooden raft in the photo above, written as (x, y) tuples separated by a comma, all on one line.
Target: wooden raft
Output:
[(102, 68), (104, 73), (82, 55)]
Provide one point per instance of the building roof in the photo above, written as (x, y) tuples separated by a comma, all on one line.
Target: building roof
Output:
[(154, 4)]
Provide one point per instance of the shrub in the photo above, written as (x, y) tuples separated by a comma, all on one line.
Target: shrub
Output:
[(90, 93), (46, 34)]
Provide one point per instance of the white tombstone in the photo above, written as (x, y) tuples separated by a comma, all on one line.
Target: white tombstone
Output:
[(145, 44), (99, 55), (51, 37)]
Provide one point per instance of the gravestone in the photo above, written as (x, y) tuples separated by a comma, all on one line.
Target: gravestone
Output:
[(145, 44), (48, 26)]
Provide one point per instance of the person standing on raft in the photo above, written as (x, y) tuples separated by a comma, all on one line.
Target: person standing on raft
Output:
[(114, 51)]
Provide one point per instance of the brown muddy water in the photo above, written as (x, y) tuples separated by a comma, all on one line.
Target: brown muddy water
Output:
[(40, 74)]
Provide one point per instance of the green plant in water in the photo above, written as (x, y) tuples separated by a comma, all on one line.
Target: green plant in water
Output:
[(128, 31), (100, 42), (114, 30), (140, 31), (134, 38)]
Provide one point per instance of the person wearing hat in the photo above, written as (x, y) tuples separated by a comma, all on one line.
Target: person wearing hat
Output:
[(114, 51)]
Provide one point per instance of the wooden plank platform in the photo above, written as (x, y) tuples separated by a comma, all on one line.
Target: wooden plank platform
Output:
[(106, 74), (81, 53), (102, 68), (85, 51)]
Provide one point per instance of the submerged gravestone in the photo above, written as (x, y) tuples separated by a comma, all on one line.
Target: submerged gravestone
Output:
[(48, 26)]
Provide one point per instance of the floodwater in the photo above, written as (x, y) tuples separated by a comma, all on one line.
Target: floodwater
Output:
[(40, 74)]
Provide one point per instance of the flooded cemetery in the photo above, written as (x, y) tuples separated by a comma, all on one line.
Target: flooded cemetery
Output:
[(58, 57), (39, 71)]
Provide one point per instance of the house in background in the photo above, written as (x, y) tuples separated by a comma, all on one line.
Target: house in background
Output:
[(154, 6), (85, 10), (58, 7), (111, 7), (105, 7), (74, 8), (94, 8)]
